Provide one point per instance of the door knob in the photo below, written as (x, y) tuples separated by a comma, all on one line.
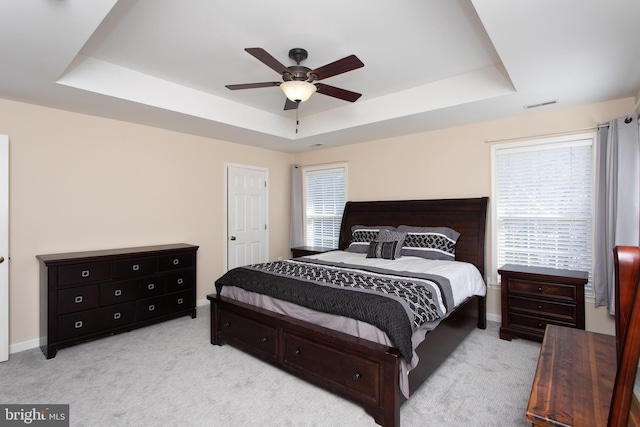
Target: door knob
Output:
[(232, 238), (1, 259)]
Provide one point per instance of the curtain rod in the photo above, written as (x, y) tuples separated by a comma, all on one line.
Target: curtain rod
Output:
[(635, 108), (598, 126), (298, 165)]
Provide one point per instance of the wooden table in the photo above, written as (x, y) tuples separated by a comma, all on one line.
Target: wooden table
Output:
[(574, 379)]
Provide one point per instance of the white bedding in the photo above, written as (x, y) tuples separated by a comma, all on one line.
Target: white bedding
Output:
[(466, 281)]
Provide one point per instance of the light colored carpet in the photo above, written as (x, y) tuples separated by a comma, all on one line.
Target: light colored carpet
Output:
[(170, 375)]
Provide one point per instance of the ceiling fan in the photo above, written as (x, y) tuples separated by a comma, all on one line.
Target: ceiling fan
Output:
[(298, 80)]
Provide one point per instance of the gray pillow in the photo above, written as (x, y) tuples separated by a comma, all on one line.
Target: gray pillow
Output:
[(362, 235), (430, 242)]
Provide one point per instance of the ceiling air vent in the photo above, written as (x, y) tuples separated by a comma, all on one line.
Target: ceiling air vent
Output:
[(542, 104)]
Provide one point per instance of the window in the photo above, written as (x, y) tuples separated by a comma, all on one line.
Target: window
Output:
[(543, 203), (324, 200)]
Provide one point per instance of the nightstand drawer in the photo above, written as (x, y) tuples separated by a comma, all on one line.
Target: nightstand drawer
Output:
[(537, 307), (538, 324), (543, 289)]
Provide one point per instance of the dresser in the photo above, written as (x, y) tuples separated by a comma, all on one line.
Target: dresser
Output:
[(89, 295), (533, 297)]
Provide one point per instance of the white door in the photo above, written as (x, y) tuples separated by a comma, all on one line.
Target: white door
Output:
[(246, 216), (4, 248)]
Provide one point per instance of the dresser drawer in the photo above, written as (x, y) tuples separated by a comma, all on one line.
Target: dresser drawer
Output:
[(129, 290), (96, 320), (543, 289), (248, 334), (176, 261), (77, 274), (163, 305), (537, 307), (342, 369), (77, 299), (134, 267), (181, 280)]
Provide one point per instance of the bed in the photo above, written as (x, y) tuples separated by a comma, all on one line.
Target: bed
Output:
[(372, 372)]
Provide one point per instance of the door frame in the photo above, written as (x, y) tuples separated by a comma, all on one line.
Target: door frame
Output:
[(4, 248), (226, 208)]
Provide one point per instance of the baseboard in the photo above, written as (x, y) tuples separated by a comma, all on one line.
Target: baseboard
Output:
[(31, 344), (491, 317), (25, 345)]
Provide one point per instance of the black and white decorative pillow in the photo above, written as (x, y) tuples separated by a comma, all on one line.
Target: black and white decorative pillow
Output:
[(391, 236), (362, 235), (430, 242), (386, 250)]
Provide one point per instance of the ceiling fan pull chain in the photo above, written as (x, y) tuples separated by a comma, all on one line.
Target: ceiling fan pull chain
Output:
[(297, 121)]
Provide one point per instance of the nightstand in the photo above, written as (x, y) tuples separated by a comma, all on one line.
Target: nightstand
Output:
[(309, 250), (533, 297)]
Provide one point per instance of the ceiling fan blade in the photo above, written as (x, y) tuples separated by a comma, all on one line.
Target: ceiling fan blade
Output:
[(290, 105), (340, 66), (336, 92), (252, 85), (263, 56)]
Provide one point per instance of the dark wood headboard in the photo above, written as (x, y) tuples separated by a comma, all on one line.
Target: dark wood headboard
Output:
[(467, 216)]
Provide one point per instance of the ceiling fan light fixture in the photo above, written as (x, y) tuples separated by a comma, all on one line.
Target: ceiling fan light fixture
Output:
[(297, 90)]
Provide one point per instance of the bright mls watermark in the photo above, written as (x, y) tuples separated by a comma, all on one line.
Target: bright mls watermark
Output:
[(34, 415)]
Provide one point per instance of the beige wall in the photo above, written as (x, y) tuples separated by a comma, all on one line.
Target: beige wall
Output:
[(79, 183), (456, 162)]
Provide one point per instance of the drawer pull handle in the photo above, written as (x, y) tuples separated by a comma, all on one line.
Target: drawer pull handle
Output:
[(539, 325), (264, 339), (297, 352), (180, 300), (180, 281), (116, 316), (85, 273), (136, 267), (539, 307), (78, 324), (539, 288), (357, 376), (176, 261), (227, 324), (150, 286), (152, 307), (78, 299), (118, 292)]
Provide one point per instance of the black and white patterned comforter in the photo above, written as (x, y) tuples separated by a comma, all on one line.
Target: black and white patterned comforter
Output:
[(395, 302)]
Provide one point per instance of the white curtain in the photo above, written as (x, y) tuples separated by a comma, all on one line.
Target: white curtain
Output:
[(617, 210), (296, 232)]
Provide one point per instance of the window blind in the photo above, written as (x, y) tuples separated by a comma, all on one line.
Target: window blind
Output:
[(325, 197), (544, 205)]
